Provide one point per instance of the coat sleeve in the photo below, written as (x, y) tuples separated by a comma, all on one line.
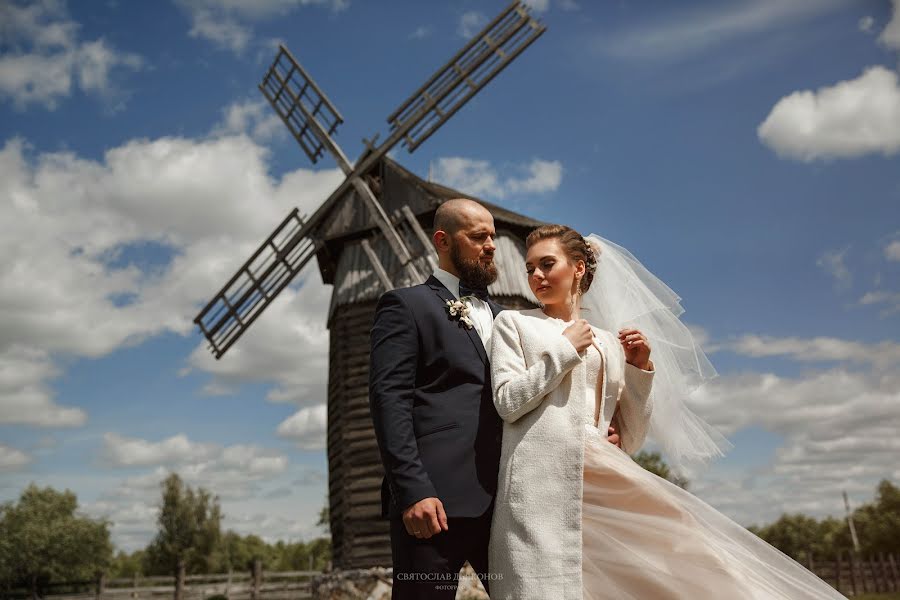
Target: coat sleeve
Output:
[(634, 408), (392, 379), (517, 389)]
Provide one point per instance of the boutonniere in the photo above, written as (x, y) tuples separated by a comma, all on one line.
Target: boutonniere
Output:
[(457, 310)]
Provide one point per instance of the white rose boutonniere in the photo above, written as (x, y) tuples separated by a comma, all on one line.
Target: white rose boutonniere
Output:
[(457, 310)]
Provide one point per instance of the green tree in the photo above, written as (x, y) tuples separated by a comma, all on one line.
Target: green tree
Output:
[(238, 552), (795, 535), (324, 519), (126, 565), (320, 550), (653, 462), (878, 523), (43, 539), (189, 530)]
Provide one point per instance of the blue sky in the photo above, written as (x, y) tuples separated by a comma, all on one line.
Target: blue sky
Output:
[(745, 151)]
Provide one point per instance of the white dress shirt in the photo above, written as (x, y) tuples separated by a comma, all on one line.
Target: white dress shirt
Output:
[(480, 314)]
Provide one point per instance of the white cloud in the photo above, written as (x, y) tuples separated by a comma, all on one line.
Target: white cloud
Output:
[(420, 33), (243, 476), (254, 461), (838, 431), (890, 37), (470, 23), (543, 176), (879, 354), (133, 523), (265, 9), (222, 30), (25, 397), (12, 459), (479, 178), (849, 119), (702, 338), (46, 59), (69, 287), (225, 22), (692, 32), (890, 299), (256, 118), (306, 427), (892, 251), (866, 23), (475, 177), (120, 451), (832, 262), (273, 527), (208, 464)]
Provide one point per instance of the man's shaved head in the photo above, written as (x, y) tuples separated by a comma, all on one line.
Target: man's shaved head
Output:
[(464, 239), (453, 214)]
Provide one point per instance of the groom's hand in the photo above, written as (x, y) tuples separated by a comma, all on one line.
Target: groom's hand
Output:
[(425, 518)]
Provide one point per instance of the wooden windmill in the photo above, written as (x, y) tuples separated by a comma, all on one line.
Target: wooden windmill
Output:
[(368, 236)]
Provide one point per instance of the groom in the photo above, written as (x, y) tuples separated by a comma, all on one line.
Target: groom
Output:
[(430, 399)]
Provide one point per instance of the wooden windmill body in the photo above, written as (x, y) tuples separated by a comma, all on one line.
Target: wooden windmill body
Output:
[(371, 235)]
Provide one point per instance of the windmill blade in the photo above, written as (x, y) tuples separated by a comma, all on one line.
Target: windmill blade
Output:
[(488, 53), (313, 119), (256, 284), (299, 101)]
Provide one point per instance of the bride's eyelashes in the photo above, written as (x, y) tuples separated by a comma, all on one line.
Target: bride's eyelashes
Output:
[(545, 266)]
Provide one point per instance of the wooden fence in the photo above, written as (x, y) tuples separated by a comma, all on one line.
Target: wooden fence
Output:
[(852, 575), (849, 574), (251, 585)]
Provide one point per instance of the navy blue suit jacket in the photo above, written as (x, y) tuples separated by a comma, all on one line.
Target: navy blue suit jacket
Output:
[(430, 399)]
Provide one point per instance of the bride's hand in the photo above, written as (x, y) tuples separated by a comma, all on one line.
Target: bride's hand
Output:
[(637, 348), (612, 437), (580, 334)]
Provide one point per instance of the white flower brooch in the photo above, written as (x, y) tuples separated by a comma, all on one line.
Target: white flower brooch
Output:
[(457, 310)]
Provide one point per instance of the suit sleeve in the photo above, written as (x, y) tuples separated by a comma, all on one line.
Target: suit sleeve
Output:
[(634, 408), (517, 389), (392, 379)]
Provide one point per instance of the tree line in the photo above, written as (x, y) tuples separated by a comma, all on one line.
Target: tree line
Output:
[(877, 526), (44, 539)]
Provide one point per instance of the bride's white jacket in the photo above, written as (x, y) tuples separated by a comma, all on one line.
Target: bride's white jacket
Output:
[(539, 385)]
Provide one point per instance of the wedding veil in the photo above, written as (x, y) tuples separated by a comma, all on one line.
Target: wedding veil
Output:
[(625, 294)]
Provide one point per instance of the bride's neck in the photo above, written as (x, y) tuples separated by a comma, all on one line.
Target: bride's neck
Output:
[(567, 310)]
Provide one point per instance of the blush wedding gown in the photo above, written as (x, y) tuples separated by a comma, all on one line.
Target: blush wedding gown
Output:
[(644, 538)]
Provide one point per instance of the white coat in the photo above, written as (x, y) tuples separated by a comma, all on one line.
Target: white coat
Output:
[(539, 385)]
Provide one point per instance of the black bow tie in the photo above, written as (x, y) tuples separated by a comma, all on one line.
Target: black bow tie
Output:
[(482, 293)]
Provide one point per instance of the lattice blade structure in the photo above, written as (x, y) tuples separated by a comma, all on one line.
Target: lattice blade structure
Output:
[(488, 53), (288, 87), (256, 284)]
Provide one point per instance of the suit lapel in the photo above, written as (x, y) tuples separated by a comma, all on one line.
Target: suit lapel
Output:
[(444, 294)]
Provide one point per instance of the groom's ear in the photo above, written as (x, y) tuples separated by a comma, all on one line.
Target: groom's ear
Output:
[(441, 240)]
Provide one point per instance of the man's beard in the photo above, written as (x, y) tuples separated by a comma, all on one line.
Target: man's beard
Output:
[(472, 272)]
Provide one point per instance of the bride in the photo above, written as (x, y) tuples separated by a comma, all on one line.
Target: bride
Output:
[(574, 516)]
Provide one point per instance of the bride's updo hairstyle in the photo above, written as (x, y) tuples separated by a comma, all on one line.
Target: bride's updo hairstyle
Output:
[(574, 245)]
